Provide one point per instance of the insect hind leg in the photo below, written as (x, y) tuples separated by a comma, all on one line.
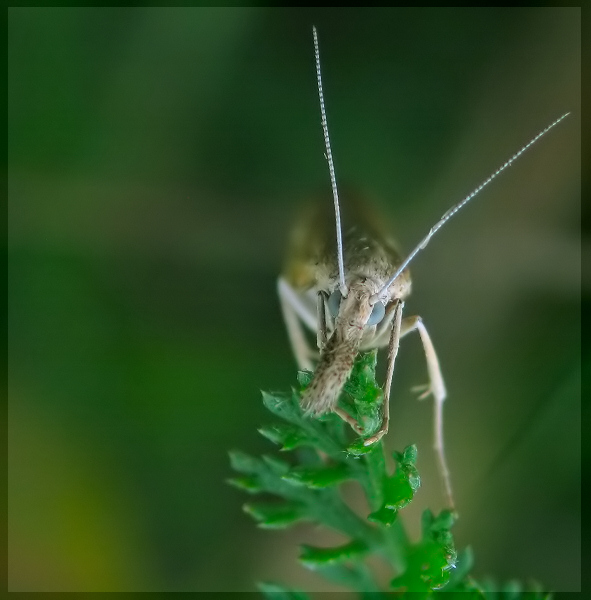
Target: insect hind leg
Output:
[(436, 387)]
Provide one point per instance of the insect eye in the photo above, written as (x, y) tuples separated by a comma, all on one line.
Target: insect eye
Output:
[(377, 314), (334, 302)]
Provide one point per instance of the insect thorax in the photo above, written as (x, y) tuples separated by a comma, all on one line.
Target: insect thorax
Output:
[(370, 253)]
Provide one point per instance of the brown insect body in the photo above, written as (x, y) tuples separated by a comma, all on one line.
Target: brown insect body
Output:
[(352, 295), (370, 257)]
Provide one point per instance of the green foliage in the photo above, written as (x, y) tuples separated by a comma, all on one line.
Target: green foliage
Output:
[(307, 489)]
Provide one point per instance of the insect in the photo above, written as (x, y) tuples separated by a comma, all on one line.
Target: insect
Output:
[(350, 290)]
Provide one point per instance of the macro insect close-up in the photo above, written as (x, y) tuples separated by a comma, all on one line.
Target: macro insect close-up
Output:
[(374, 216), (342, 291), (357, 303)]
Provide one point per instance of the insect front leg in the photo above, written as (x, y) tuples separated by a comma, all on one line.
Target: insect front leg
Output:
[(392, 352), (295, 313), (322, 334), (348, 419), (437, 388)]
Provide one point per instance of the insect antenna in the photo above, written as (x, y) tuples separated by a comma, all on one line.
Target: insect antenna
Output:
[(333, 179), (454, 209)]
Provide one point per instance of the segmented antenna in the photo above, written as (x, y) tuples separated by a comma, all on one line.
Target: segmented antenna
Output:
[(333, 179), (454, 209)]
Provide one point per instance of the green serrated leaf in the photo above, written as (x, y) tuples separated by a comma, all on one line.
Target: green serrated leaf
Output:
[(385, 516), (443, 522), (370, 420), (276, 465), (399, 489), (249, 484), (284, 406), (244, 463), (364, 370), (362, 384), (366, 395), (274, 591), (398, 492), (405, 468), (277, 515), (321, 477), (408, 457), (287, 436), (313, 557), (430, 561), (358, 448), (428, 568), (309, 490)]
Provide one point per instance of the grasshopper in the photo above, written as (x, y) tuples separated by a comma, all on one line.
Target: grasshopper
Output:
[(351, 294)]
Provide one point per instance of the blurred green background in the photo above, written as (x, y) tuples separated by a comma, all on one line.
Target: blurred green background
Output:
[(156, 157)]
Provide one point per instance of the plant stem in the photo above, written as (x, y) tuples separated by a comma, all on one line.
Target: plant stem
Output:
[(394, 538)]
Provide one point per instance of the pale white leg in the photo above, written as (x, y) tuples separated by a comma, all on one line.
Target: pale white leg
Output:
[(392, 352), (303, 306), (436, 385), (437, 388), (295, 312)]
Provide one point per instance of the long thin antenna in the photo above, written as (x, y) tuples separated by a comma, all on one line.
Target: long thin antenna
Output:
[(454, 209), (333, 179)]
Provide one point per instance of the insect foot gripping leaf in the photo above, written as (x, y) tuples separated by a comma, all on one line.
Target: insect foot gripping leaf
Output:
[(305, 486)]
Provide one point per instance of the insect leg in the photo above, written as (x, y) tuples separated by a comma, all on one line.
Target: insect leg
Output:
[(321, 335), (392, 352), (296, 313), (436, 385), (437, 388), (348, 419), (299, 305)]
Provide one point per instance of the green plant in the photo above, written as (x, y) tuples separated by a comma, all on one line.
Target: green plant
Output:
[(307, 489)]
